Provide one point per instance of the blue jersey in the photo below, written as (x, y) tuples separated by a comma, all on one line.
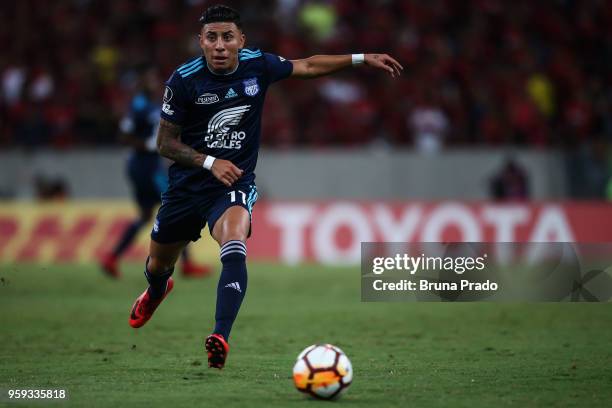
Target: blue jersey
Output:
[(144, 167), (141, 122), (220, 115)]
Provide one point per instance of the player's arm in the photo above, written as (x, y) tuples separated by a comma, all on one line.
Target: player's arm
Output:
[(319, 65), (169, 145)]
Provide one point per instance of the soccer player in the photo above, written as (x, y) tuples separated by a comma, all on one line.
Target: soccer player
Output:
[(145, 170), (210, 128)]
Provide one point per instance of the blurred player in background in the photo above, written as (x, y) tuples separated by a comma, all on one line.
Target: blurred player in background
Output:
[(145, 170), (210, 127)]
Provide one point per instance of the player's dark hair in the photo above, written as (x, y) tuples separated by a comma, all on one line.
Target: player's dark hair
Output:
[(221, 14)]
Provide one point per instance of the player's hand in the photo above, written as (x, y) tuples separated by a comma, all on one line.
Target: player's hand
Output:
[(384, 61), (225, 171)]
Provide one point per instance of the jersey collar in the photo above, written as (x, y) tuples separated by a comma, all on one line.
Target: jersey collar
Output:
[(222, 75)]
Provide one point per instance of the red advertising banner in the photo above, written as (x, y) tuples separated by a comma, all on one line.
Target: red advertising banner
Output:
[(297, 231)]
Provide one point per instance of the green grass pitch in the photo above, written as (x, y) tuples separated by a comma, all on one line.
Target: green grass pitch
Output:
[(66, 327)]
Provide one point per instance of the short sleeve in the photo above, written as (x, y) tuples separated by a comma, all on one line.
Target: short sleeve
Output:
[(278, 67), (175, 100)]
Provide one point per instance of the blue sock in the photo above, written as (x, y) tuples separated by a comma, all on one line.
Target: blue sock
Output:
[(186, 255), (157, 283), (127, 237), (232, 286)]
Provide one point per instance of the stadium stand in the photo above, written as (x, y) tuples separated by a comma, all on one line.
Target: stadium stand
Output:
[(480, 72)]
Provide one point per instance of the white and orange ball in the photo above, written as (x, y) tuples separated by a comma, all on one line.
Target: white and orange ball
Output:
[(323, 371)]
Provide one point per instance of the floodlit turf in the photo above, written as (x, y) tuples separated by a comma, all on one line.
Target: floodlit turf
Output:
[(66, 327)]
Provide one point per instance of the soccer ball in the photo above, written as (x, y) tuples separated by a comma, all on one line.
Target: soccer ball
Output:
[(323, 371)]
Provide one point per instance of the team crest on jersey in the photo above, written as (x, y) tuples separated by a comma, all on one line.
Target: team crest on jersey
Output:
[(251, 87)]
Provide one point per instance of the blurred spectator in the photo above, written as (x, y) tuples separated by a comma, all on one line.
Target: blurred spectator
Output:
[(510, 184), (13, 80), (429, 125), (319, 18), (541, 91), (105, 57), (50, 188)]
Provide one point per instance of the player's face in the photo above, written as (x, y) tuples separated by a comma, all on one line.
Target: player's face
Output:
[(220, 43)]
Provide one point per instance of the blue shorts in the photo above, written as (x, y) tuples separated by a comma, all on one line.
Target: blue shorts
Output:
[(149, 181), (181, 217)]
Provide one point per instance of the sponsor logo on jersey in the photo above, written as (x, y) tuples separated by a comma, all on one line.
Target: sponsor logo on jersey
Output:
[(251, 87), (281, 59), (231, 94), (168, 94), (221, 128), (223, 120), (207, 99)]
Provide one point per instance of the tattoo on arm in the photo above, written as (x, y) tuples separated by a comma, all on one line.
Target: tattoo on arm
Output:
[(170, 146)]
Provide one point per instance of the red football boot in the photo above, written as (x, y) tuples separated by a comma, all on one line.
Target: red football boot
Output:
[(192, 270), (144, 306), (217, 349), (109, 264)]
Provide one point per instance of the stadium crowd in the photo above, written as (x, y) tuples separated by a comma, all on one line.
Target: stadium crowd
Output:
[(478, 72)]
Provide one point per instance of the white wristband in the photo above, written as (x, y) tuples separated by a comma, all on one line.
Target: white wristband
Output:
[(208, 162), (151, 143), (357, 59)]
